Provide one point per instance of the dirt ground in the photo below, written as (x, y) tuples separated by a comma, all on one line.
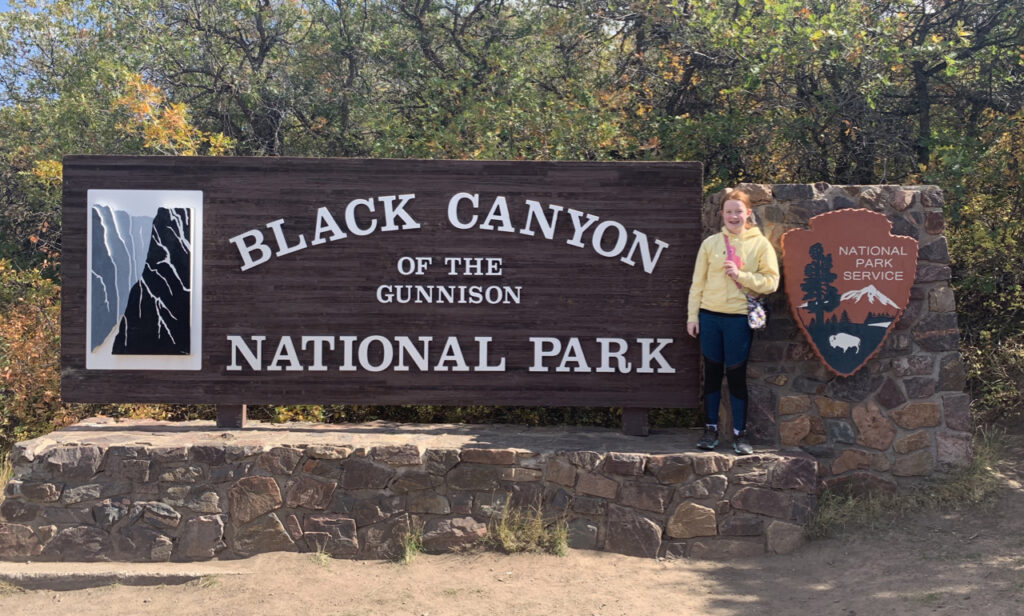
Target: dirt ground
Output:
[(967, 562)]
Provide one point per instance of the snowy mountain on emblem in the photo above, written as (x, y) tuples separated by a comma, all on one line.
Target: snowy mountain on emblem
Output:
[(871, 293)]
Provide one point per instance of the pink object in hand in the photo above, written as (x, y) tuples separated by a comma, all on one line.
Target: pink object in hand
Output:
[(730, 254)]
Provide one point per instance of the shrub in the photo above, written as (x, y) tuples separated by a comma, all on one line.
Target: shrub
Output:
[(29, 356)]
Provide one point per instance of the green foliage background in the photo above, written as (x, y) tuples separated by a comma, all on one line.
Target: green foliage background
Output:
[(865, 91)]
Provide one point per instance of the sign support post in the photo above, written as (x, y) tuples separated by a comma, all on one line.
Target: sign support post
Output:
[(231, 415)]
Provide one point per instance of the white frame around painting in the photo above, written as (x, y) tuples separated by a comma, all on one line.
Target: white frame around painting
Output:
[(146, 203)]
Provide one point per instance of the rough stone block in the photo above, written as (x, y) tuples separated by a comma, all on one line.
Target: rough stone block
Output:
[(265, 534), (587, 460), (934, 222), (952, 376), (414, 481), (589, 506), (827, 407), (792, 192), (294, 527), (327, 468), (80, 462), (648, 497), (41, 492), (429, 503), (210, 455), (384, 541), (795, 474), (671, 468), (792, 432), (919, 387), (12, 510), (901, 199), (582, 534), (79, 543), (309, 493), (953, 450), (855, 388), (561, 472), (201, 538), (692, 520), (474, 477), (135, 470), (80, 494), (373, 510), (397, 455), (501, 457), (182, 474), (490, 504), (327, 452), (763, 501), (447, 534), (941, 299), (143, 544), (280, 460), (741, 526), (874, 429), (890, 395), (440, 461), (852, 459), (913, 365), (912, 442), (337, 529), (462, 503), (518, 474), (596, 485), (957, 411), (711, 463), (930, 272), (937, 331), (252, 497), (790, 405), (710, 487), (631, 533), (783, 537), (625, 464), (18, 542), (914, 464), (917, 415), (166, 455), (840, 432), (362, 474)]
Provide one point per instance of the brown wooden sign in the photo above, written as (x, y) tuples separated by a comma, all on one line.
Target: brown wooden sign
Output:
[(848, 280), (285, 281)]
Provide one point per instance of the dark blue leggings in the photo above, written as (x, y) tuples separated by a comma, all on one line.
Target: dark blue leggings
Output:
[(725, 345)]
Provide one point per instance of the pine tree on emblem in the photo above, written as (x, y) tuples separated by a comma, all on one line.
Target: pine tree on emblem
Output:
[(819, 294)]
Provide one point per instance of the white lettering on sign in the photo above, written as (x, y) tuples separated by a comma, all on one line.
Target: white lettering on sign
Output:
[(377, 353), (872, 263), (545, 348), (366, 216), (326, 228)]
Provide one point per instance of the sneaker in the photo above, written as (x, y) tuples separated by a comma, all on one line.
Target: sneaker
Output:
[(741, 445), (709, 440)]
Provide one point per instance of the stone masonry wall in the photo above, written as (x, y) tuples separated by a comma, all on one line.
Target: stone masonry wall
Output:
[(144, 498), (904, 415)]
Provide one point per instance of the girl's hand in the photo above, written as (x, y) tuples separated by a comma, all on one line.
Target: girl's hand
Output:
[(692, 328), (731, 270)]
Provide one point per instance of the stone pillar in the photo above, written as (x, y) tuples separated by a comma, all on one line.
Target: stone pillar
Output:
[(904, 415)]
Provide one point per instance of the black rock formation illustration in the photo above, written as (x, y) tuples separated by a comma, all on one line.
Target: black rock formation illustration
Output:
[(157, 317)]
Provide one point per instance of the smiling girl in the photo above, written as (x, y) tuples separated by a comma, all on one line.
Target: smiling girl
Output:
[(737, 262)]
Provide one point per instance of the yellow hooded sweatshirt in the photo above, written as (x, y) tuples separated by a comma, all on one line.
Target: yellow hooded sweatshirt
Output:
[(713, 290)]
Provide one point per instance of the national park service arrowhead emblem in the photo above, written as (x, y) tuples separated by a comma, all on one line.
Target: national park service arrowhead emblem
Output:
[(848, 280)]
